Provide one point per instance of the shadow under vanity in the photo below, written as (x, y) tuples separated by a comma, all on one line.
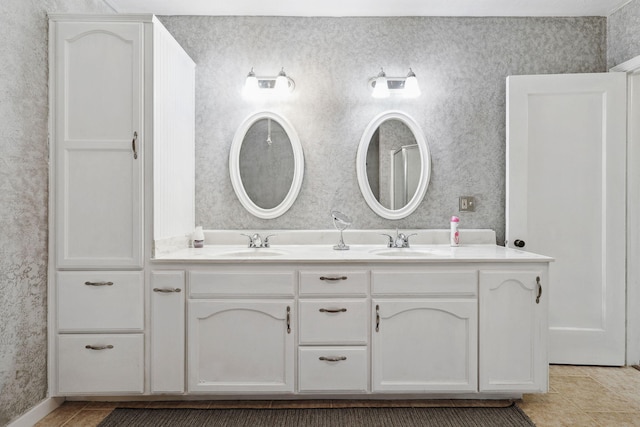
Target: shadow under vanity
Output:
[(137, 313)]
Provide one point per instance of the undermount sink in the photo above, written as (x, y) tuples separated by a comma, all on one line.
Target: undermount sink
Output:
[(253, 253), (401, 252)]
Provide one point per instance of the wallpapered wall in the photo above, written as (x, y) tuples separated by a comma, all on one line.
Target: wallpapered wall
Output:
[(23, 198), (461, 63), (623, 34)]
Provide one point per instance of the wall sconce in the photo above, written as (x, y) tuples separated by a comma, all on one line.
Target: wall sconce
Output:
[(383, 86), (279, 85)]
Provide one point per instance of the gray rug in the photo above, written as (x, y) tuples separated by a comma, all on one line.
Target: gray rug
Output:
[(510, 416)]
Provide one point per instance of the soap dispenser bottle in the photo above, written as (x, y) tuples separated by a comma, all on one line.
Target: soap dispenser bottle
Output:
[(455, 235), (198, 237)]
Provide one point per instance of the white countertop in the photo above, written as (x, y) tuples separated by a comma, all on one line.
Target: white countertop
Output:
[(357, 253)]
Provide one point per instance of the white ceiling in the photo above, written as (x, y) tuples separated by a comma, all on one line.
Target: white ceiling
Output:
[(370, 7)]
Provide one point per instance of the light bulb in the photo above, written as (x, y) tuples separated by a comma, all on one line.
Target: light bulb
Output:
[(282, 83), (411, 88), (250, 84), (381, 89)]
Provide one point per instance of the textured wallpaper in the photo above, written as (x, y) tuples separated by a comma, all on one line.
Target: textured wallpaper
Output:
[(623, 34), (23, 198), (461, 64)]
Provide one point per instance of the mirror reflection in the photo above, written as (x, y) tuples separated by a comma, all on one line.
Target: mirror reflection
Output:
[(393, 164), (266, 163)]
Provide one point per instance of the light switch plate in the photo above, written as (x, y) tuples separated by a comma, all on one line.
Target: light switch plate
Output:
[(467, 204)]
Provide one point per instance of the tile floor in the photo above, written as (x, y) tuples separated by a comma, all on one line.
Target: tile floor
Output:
[(579, 396)]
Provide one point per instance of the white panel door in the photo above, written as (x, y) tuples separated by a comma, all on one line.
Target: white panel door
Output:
[(98, 92), (566, 141)]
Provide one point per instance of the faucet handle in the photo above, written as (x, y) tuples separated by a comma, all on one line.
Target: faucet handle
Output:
[(390, 243), (266, 243), (252, 239), (405, 238)]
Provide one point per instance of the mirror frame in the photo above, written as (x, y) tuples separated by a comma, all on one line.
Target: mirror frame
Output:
[(425, 166), (234, 166)]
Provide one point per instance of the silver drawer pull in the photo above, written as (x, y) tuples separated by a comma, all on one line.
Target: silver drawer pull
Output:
[(332, 358), (333, 310), (167, 290), (98, 283), (99, 347), (333, 279)]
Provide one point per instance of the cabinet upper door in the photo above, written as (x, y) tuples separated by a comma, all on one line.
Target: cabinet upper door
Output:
[(97, 131)]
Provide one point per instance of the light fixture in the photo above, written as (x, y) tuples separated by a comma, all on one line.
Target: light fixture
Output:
[(411, 88), (279, 85), (380, 85), (251, 85), (383, 86), (282, 83)]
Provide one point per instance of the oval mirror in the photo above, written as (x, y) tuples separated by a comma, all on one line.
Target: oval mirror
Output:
[(266, 165), (393, 165)]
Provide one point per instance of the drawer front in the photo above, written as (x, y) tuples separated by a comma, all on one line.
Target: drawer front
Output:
[(345, 370), (334, 321), (118, 369), (334, 282), (206, 284), (100, 300), (432, 283)]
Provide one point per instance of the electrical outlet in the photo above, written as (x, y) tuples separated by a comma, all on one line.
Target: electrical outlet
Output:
[(467, 204)]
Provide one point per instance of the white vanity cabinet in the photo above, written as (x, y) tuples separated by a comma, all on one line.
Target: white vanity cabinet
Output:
[(513, 330), (424, 336), (115, 81), (241, 332)]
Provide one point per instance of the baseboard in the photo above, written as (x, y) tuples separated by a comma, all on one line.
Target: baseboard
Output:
[(38, 412)]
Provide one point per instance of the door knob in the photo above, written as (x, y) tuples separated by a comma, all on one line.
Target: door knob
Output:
[(518, 243)]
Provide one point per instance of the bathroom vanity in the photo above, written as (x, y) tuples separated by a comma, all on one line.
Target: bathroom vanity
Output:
[(135, 313), (301, 321)]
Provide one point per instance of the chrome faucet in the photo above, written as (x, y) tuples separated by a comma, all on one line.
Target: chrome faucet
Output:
[(256, 241), (400, 241)]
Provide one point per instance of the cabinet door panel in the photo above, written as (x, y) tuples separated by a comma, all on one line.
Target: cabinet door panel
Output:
[(167, 332), (513, 329), (424, 345), (237, 346), (98, 93)]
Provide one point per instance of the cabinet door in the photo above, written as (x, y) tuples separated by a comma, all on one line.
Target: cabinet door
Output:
[(513, 331), (97, 120), (424, 345), (241, 346), (167, 332)]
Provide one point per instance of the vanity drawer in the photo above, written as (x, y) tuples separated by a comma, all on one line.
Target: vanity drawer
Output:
[(345, 370), (207, 284), (334, 321), (115, 369), (334, 282), (432, 283), (100, 300)]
